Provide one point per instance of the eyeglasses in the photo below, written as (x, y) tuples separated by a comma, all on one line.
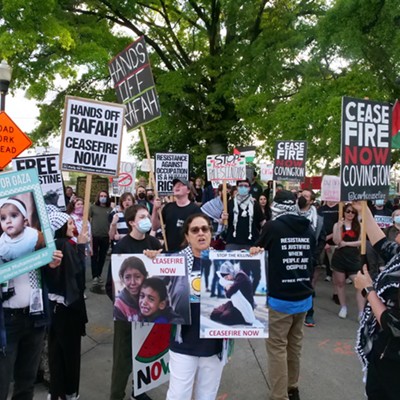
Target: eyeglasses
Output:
[(196, 229), (350, 212)]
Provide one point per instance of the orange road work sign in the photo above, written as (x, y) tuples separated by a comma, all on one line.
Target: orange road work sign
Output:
[(12, 140)]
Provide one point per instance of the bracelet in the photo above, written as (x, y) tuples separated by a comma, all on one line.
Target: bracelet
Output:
[(366, 291)]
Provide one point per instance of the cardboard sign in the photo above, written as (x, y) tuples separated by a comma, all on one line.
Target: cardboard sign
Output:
[(12, 140), (168, 167), (125, 181), (266, 172), (290, 160), (134, 84), (383, 221), (170, 286), (91, 136), (234, 313), (150, 345), (50, 176), (226, 167), (21, 246), (330, 188), (365, 149)]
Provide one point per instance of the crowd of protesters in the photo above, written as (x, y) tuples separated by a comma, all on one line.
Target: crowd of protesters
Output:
[(194, 219)]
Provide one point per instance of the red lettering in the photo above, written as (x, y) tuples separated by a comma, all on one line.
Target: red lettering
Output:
[(156, 371)]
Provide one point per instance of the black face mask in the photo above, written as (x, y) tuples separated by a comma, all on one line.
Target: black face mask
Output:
[(150, 197), (142, 196), (301, 202)]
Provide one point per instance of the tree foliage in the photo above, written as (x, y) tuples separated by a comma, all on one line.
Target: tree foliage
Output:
[(227, 72)]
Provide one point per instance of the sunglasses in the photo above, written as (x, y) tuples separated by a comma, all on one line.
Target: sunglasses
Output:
[(197, 229), (350, 212)]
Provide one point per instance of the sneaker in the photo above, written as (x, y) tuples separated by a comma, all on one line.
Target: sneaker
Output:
[(100, 280), (294, 394), (309, 321), (95, 281), (349, 281), (98, 289), (335, 299), (343, 312), (142, 396), (328, 278)]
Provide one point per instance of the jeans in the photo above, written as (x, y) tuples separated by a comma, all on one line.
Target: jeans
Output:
[(21, 361), (100, 248)]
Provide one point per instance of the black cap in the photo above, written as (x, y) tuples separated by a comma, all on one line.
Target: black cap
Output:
[(285, 197), (242, 180), (181, 180)]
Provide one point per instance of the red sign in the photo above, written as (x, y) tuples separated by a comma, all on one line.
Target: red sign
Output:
[(12, 140)]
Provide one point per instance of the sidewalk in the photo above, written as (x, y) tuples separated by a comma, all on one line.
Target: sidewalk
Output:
[(330, 370)]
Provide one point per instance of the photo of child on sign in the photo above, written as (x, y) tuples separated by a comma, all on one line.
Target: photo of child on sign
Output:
[(144, 288), (237, 312)]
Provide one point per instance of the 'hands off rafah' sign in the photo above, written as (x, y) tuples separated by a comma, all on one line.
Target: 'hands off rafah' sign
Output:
[(134, 85), (290, 160), (92, 134), (226, 167), (366, 138)]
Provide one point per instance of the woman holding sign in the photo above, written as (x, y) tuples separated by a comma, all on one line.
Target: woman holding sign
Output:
[(194, 362), (378, 339)]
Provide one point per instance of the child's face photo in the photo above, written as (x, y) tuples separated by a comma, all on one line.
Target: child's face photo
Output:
[(132, 280), (149, 302), (12, 221)]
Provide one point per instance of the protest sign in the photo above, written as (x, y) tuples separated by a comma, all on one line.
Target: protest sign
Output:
[(50, 176), (134, 84), (239, 314), (150, 345), (226, 167), (12, 140), (290, 160), (168, 167), (27, 243), (91, 136), (365, 150), (266, 172), (169, 284), (330, 188), (383, 221), (125, 181)]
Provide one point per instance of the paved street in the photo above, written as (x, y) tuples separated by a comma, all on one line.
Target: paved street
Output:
[(330, 369)]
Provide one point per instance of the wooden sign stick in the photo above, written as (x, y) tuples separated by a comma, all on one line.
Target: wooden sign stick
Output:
[(152, 179)]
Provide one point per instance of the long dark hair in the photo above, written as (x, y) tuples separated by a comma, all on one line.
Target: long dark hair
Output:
[(355, 224), (108, 203)]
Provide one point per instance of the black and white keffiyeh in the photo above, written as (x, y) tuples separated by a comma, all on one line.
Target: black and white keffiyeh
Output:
[(243, 206), (387, 279)]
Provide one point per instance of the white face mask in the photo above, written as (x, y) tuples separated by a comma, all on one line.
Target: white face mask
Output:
[(396, 219), (144, 225)]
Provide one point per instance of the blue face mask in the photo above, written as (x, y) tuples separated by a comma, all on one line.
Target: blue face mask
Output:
[(103, 200), (243, 190), (396, 219), (144, 225)]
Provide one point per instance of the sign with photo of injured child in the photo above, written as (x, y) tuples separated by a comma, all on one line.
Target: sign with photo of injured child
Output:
[(231, 310), (91, 136), (290, 160), (150, 354), (151, 290), (26, 239), (225, 167), (365, 149), (50, 176)]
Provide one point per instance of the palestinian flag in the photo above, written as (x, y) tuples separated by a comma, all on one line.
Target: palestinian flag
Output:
[(248, 151), (396, 125)]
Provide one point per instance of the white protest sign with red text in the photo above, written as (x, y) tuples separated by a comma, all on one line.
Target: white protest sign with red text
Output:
[(330, 188), (226, 167)]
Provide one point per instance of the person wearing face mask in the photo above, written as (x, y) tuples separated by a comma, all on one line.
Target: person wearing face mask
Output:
[(137, 241), (381, 214), (98, 215), (392, 232), (245, 220)]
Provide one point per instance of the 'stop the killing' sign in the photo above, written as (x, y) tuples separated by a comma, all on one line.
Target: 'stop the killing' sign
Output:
[(366, 138), (134, 85)]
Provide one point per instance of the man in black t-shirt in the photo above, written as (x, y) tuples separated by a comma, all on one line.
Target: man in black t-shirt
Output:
[(174, 214)]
